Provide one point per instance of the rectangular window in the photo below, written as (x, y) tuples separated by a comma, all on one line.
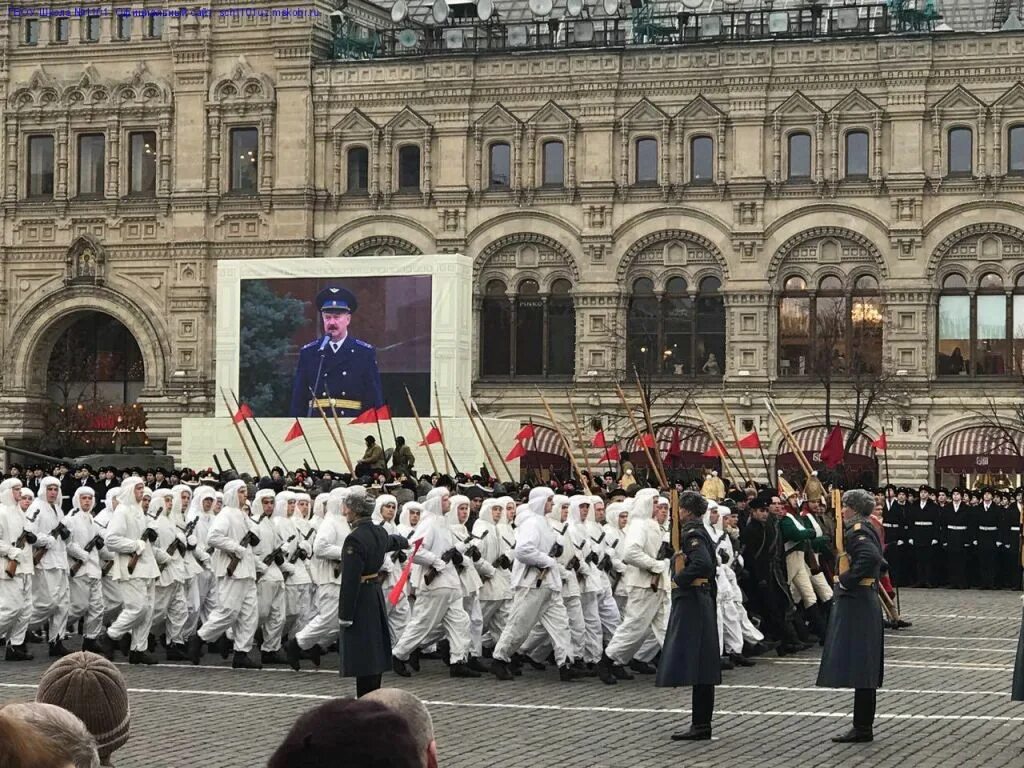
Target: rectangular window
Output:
[(702, 160), (799, 156), (554, 164), (31, 31), (142, 163), (155, 26), (1018, 332), (993, 354), (500, 166), (409, 168), (954, 335), (1015, 153), (646, 161), (92, 29), (90, 164), (40, 166), (961, 152), (61, 29), (857, 154), (794, 336), (124, 27), (244, 158), (358, 170)]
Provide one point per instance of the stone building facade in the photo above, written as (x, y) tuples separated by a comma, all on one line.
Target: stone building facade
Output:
[(880, 175)]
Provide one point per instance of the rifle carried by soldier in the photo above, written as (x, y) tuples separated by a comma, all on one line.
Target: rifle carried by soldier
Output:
[(27, 537), (60, 530), (249, 540), (96, 542)]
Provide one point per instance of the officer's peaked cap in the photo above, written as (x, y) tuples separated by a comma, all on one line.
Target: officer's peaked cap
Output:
[(335, 298)]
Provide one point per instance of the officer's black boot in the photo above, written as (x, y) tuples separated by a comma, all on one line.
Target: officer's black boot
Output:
[(604, 671), (703, 709)]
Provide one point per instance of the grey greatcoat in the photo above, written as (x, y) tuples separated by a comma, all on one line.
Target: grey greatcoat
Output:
[(690, 655), (854, 655)]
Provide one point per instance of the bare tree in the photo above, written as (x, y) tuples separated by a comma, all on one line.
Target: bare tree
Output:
[(1006, 420)]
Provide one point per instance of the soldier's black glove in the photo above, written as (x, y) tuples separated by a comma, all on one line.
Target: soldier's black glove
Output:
[(725, 557), (279, 559), (254, 540), (557, 550), (503, 562), (457, 558), (573, 564), (30, 537), (664, 551), (63, 532), (593, 559), (606, 564), (149, 535), (401, 556)]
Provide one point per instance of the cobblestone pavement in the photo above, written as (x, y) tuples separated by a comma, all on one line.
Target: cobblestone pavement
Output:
[(945, 703)]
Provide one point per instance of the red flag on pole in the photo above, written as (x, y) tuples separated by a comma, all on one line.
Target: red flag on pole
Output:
[(383, 413), (295, 432), (647, 439), (598, 441), (433, 436), (750, 441), (369, 416), (715, 451), (396, 591), (881, 444), (612, 454), (675, 450), (517, 452), (244, 412), (833, 452), (525, 433)]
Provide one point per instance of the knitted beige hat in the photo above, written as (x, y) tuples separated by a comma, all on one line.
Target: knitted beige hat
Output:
[(92, 688)]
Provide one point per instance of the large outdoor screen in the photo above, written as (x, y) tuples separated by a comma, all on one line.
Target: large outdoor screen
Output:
[(345, 344)]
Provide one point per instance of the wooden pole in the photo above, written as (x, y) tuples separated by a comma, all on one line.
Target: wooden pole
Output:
[(419, 426), (639, 436), (241, 439), (334, 437), (736, 439), (341, 438), (479, 437), (801, 459), (650, 427), (565, 441), (723, 454), (309, 447), (259, 426), (440, 424), (579, 436), (492, 441)]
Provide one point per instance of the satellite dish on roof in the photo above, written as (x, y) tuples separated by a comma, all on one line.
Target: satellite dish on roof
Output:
[(484, 9), (440, 11), (574, 7), (408, 38), (399, 11), (731, 2), (540, 7), (611, 7), (693, 5)]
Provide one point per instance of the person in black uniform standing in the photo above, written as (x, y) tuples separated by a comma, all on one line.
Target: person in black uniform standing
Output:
[(956, 523), (1009, 530), (922, 521), (690, 652), (988, 544), (365, 641), (854, 656)]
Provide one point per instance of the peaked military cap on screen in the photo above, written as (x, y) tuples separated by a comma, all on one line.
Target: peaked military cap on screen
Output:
[(337, 299)]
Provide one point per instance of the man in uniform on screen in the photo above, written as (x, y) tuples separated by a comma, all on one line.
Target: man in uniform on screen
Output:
[(341, 370)]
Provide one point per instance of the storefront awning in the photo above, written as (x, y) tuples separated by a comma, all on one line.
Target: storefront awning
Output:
[(811, 439), (691, 440), (547, 441), (981, 448)]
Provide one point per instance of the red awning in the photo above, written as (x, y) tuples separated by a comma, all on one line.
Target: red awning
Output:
[(977, 449), (811, 439), (546, 440)]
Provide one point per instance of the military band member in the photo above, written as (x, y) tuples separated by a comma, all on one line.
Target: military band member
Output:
[(339, 369), (852, 657), (690, 656)]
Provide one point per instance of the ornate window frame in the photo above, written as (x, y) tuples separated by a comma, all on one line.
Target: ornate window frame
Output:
[(355, 130), (244, 99)]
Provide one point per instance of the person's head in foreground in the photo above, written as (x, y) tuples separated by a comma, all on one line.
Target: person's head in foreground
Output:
[(348, 733), (92, 688), (75, 746), (414, 713)]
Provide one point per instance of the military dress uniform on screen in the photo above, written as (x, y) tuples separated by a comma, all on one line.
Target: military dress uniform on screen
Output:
[(344, 376)]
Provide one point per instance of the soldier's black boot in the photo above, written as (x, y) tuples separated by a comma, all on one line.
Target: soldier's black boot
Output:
[(242, 661), (500, 669), (604, 671), (399, 667), (90, 645), (17, 653), (270, 657), (414, 660), (476, 665), (864, 700), (195, 649), (294, 654), (315, 654), (141, 657), (106, 646), (461, 669), (853, 736), (703, 705), (177, 652), (57, 649), (816, 618), (567, 673), (695, 733), (741, 661), (643, 667)]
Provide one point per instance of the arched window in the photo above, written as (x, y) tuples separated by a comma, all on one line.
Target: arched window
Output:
[(799, 156), (500, 166), (857, 154), (1015, 150), (954, 344), (532, 335), (642, 328), (358, 162), (495, 331), (409, 168), (961, 152), (832, 331), (553, 164), (561, 330), (980, 333), (646, 166), (702, 160), (681, 333)]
